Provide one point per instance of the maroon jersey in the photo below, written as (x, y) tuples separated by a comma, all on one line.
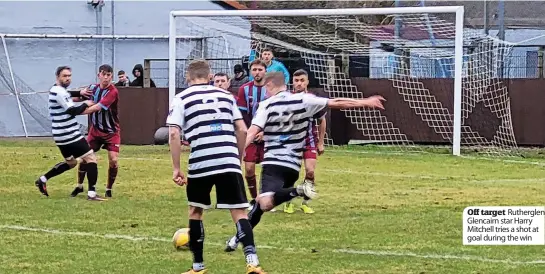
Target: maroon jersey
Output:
[(107, 119), (249, 97)]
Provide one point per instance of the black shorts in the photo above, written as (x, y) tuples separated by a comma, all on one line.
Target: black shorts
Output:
[(75, 150), (274, 178), (230, 191)]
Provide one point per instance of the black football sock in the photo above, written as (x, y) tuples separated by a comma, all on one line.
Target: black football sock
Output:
[(92, 175), (57, 170), (82, 170), (284, 195), (196, 242), (245, 236), (112, 174), (254, 216)]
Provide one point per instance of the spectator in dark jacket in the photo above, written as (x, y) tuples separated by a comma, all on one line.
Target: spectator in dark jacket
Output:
[(239, 79), (138, 72)]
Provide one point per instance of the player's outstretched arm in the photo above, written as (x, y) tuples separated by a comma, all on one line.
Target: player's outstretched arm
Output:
[(92, 108), (79, 110), (344, 103), (241, 133), (104, 103), (79, 95)]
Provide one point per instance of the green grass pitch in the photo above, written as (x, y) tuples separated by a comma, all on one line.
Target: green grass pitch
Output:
[(376, 213)]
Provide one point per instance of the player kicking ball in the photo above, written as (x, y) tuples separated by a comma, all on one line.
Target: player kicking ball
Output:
[(284, 119), (216, 132), (104, 129), (314, 143), (66, 133)]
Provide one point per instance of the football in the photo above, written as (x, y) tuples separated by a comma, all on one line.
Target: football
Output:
[(181, 238)]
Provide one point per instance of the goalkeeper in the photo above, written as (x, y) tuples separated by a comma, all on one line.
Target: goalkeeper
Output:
[(267, 56)]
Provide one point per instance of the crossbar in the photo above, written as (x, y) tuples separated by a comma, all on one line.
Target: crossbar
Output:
[(315, 12)]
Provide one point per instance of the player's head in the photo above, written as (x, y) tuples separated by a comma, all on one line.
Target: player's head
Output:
[(274, 82), (64, 76), (300, 80), (258, 69), (105, 74), (221, 80), (267, 55), (198, 72)]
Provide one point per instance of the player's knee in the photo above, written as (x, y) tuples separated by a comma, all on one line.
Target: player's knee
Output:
[(266, 203), (195, 213), (72, 163), (90, 158), (238, 213)]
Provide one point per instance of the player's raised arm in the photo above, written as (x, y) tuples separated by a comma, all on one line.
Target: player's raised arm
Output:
[(65, 101), (344, 103)]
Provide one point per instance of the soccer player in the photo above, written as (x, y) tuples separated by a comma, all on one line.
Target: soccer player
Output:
[(66, 133), (284, 119), (314, 143), (271, 65), (104, 129), (248, 99), (213, 125)]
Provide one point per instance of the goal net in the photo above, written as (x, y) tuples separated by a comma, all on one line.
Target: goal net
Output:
[(408, 55)]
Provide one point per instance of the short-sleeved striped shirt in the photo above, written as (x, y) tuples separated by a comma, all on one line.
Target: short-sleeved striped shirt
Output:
[(206, 115), (284, 119), (65, 127), (107, 119)]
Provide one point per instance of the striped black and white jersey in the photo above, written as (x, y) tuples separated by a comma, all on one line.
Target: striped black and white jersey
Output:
[(284, 119), (65, 127), (206, 115)]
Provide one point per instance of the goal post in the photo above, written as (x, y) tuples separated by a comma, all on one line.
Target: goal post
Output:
[(338, 84)]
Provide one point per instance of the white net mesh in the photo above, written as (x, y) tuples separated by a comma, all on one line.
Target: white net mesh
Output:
[(412, 51), (24, 53)]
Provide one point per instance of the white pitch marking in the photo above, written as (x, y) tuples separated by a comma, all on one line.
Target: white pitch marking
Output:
[(344, 251), (392, 175)]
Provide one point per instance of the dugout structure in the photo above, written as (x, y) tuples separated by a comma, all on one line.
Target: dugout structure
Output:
[(419, 43)]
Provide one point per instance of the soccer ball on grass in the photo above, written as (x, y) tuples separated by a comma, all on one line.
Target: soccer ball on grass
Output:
[(181, 239)]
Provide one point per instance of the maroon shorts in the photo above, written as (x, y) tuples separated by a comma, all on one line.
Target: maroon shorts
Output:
[(310, 153), (310, 145), (254, 153), (98, 139)]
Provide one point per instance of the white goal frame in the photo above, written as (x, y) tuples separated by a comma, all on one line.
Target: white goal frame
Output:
[(458, 48)]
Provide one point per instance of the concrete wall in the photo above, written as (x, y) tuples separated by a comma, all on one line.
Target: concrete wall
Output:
[(34, 60)]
